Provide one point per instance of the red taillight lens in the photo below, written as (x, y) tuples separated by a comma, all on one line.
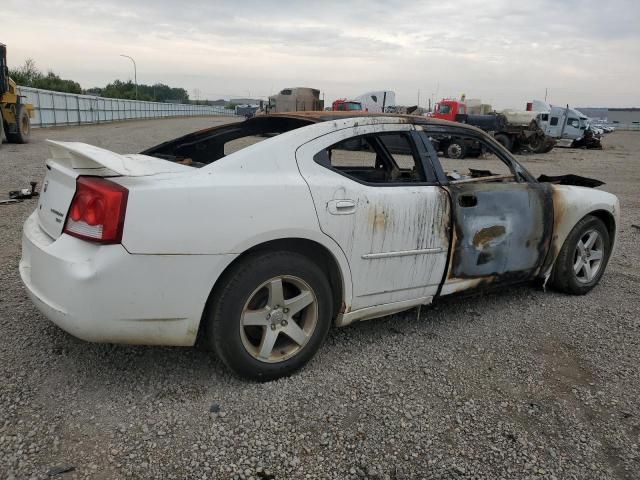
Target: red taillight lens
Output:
[(97, 210)]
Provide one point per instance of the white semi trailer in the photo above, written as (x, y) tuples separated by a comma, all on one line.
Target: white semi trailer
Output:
[(378, 101)]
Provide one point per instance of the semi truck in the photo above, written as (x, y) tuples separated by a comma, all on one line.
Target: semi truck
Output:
[(568, 126), (344, 105), (377, 101), (299, 99), (513, 129)]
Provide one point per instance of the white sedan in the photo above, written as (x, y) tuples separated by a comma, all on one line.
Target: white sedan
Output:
[(253, 238)]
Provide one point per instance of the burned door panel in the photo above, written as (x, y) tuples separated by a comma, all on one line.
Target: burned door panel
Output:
[(502, 233)]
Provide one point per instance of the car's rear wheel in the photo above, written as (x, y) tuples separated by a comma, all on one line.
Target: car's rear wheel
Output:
[(583, 257), (271, 316)]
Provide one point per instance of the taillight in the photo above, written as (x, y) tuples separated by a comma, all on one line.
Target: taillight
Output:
[(97, 210)]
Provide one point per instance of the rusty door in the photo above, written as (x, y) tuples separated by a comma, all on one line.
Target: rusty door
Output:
[(394, 235)]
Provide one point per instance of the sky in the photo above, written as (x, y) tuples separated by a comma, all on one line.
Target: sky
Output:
[(505, 52)]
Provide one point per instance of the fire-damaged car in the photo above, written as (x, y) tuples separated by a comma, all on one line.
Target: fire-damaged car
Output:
[(253, 238)]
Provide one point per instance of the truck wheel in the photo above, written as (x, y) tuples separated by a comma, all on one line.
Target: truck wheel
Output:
[(583, 257), (504, 140), (456, 150), (23, 127), (536, 143), (270, 316)]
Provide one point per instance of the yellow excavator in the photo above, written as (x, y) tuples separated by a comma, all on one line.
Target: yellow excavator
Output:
[(15, 113)]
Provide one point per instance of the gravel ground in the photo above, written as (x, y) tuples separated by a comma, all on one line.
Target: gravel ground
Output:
[(512, 385)]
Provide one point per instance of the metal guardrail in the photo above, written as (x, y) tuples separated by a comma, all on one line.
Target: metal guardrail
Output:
[(58, 109)]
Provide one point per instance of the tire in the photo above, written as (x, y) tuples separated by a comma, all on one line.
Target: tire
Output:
[(23, 127), (564, 276), (456, 150), (242, 318), (504, 140), (537, 143), (541, 144)]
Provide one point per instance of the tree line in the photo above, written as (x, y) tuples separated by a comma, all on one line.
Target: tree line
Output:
[(28, 75)]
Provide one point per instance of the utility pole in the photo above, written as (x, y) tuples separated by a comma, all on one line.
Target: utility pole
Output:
[(135, 72)]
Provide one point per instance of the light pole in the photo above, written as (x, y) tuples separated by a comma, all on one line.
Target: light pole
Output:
[(135, 72)]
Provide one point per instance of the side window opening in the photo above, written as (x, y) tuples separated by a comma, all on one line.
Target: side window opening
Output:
[(466, 158), (554, 121), (387, 158)]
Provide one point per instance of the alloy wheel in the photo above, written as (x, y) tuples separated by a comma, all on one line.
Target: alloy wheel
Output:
[(278, 319), (588, 256)]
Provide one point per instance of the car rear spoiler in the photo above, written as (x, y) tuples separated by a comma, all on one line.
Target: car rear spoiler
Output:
[(83, 156)]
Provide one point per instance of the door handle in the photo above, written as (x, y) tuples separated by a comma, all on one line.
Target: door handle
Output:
[(467, 200), (341, 207)]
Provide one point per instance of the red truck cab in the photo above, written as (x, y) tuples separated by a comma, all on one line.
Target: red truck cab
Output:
[(344, 105), (448, 109)]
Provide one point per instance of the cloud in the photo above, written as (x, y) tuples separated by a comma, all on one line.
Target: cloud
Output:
[(500, 50)]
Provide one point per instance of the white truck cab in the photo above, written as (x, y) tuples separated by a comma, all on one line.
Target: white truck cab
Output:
[(563, 123)]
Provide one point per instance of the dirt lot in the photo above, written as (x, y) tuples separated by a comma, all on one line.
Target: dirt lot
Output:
[(517, 384)]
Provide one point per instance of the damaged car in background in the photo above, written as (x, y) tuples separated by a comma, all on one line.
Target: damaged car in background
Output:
[(253, 238)]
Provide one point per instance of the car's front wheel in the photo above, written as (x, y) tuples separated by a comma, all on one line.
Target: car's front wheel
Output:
[(271, 315), (583, 257)]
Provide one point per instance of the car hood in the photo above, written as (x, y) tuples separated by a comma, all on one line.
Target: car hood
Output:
[(571, 179)]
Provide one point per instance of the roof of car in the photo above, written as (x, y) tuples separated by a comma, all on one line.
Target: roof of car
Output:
[(285, 122), (327, 116)]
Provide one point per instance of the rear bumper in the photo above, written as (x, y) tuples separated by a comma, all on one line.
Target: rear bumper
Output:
[(101, 293)]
